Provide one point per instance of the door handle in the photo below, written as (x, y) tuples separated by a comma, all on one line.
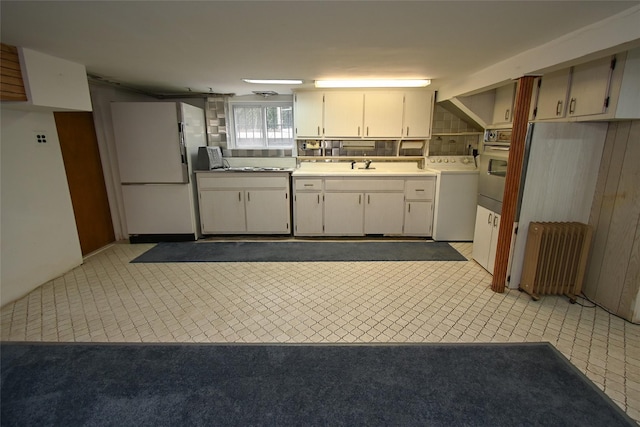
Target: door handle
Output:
[(506, 114), (318, 199), (358, 130), (489, 219), (407, 130), (248, 196), (360, 199), (368, 199), (495, 217), (239, 196), (559, 108), (367, 130), (572, 106), (409, 210)]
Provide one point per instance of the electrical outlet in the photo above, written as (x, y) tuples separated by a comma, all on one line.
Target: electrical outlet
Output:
[(41, 136)]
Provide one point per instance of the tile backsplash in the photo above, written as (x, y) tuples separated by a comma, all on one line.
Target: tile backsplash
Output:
[(445, 139), (216, 121)]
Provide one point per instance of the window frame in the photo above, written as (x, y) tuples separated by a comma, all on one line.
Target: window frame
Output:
[(263, 104)]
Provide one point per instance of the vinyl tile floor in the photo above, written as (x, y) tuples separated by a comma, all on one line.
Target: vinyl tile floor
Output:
[(107, 299)]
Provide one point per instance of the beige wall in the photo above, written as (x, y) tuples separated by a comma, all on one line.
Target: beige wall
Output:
[(613, 271)]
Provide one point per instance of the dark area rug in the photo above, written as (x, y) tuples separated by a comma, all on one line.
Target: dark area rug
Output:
[(299, 251), (212, 384)]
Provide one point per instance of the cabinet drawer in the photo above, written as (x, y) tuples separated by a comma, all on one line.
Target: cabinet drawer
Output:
[(308, 184), (234, 181), (420, 189), (364, 185)]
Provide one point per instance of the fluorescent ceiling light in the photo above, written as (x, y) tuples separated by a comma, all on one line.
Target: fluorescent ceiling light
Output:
[(373, 83), (273, 81)]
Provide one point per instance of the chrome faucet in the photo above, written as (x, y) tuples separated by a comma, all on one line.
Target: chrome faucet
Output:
[(353, 163), (367, 163)]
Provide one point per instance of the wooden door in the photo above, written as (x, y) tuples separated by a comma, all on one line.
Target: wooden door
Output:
[(82, 164)]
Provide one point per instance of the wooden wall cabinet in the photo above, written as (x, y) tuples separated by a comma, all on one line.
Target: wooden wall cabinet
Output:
[(11, 83)]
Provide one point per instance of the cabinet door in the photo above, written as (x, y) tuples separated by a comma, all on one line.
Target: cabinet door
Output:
[(493, 243), (482, 236), (383, 213), (417, 114), (343, 114), (267, 211), (343, 214), (589, 87), (418, 218), (552, 96), (383, 114), (308, 213), (308, 114), (222, 211), (503, 107)]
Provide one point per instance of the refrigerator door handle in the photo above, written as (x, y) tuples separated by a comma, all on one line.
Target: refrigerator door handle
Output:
[(183, 146)]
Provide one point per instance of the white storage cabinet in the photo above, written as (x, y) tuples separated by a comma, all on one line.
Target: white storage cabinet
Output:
[(244, 203), (485, 238)]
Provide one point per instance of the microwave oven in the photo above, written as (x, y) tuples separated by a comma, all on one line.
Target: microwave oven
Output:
[(497, 137)]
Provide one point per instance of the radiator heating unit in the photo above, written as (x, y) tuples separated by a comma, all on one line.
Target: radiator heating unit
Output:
[(555, 258)]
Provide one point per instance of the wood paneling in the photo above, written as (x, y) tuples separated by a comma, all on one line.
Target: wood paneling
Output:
[(613, 275), (512, 183), (83, 167), (11, 83)]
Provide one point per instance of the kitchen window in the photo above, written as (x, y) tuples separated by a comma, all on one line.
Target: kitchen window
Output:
[(260, 125)]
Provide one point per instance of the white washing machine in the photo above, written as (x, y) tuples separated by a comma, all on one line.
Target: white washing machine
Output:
[(456, 197)]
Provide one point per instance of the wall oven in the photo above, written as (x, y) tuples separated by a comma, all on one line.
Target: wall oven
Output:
[(493, 169)]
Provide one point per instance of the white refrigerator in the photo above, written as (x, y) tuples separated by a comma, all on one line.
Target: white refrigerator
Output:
[(157, 146)]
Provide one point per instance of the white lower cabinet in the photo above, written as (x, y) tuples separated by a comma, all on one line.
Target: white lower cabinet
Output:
[(308, 207), (418, 213), (383, 213), (343, 214), (418, 218), (485, 238), (308, 213), (357, 207), (239, 203)]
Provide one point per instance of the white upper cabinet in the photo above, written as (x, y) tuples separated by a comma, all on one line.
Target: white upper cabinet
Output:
[(358, 114), (603, 89), (309, 107), (503, 107), (343, 114), (552, 95), (590, 87), (418, 113), (383, 114)]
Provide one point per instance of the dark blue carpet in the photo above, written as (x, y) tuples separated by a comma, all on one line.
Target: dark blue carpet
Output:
[(299, 251), (298, 385)]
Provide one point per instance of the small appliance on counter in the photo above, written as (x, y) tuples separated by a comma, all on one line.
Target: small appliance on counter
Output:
[(209, 158)]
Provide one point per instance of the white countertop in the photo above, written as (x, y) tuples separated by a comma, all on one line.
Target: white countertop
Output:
[(375, 169)]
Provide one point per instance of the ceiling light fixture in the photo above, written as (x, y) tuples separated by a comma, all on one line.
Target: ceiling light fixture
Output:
[(373, 83), (273, 81)]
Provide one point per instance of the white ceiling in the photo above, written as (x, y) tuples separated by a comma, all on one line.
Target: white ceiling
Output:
[(174, 46)]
